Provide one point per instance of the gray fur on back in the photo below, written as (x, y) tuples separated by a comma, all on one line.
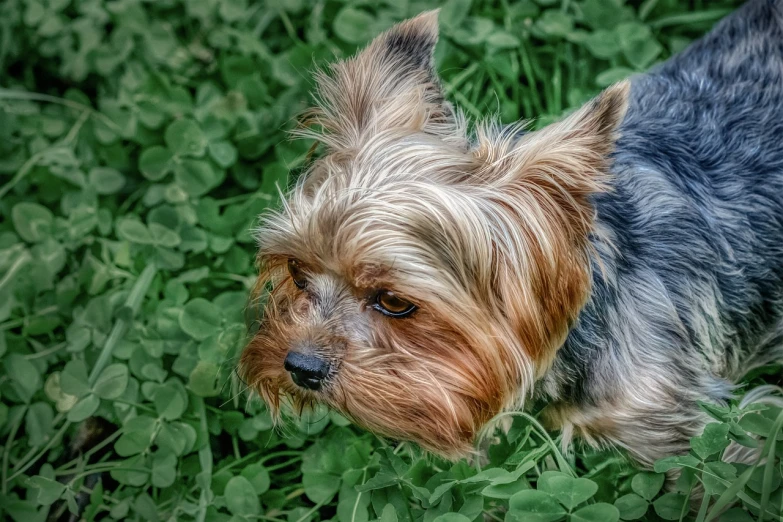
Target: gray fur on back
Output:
[(688, 292)]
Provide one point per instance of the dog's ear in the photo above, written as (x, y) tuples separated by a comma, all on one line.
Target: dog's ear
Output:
[(539, 187), (391, 84), (564, 162)]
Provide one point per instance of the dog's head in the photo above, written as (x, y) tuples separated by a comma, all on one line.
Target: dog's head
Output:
[(420, 279)]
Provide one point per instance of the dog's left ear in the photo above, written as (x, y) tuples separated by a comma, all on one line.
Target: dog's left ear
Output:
[(392, 84), (539, 204), (563, 163)]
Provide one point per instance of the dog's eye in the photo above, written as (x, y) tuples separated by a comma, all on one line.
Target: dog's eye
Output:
[(296, 273), (389, 304)]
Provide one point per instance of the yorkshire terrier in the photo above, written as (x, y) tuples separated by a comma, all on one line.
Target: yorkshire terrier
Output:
[(621, 265)]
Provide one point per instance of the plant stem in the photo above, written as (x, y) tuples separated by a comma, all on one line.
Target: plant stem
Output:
[(531, 77), (558, 456), (8, 443), (34, 96), (461, 77), (284, 453), (17, 265), (769, 466), (133, 303), (311, 511), (48, 351), (205, 459), (32, 161), (284, 464), (108, 440), (466, 103), (705, 503), (24, 466), (289, 27)]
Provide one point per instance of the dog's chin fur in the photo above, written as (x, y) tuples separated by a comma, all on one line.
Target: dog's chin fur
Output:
[(487, 234)]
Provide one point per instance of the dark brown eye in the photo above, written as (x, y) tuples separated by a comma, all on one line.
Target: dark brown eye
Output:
[(296, 273), (389, 304)]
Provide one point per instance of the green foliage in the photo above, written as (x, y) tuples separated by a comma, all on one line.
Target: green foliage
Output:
[(140, 139)]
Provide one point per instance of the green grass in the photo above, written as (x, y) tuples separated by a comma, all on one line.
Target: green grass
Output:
[(139, 140)]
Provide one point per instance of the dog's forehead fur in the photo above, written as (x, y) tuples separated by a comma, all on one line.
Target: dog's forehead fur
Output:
[(380, 215)]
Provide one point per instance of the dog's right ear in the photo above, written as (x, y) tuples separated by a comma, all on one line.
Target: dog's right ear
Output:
[(391, 84)]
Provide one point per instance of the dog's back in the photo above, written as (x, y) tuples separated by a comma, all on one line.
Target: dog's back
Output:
[(688, 290), (700, 161)]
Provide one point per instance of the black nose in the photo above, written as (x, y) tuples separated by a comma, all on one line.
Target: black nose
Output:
[(306, 371)]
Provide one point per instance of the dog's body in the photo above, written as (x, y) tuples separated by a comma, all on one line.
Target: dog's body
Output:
[(688, 292), (424, 281)]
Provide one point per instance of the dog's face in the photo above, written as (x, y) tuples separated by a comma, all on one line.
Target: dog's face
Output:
[(419, 280)]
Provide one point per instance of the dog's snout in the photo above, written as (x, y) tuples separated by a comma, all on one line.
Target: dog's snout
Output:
[(307, 371)]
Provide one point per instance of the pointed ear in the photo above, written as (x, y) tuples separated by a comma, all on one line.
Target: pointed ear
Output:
[(391, 84), (563, 163)]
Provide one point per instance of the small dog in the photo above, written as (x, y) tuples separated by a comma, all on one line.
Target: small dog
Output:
[(621, 265)]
